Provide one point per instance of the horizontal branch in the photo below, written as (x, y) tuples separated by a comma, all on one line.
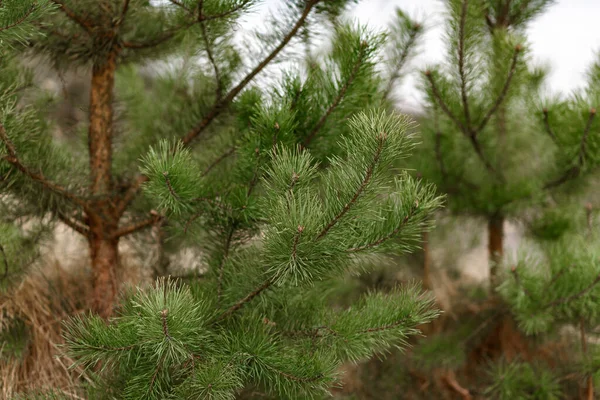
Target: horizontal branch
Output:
[(137, 226), (12, 159)]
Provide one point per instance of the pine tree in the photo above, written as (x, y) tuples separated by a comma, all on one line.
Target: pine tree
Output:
[(110, 39), (260, 318), (483, 143)]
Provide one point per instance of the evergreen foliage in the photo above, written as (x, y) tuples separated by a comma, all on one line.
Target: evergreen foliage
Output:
[(293, 190), (273, 328)]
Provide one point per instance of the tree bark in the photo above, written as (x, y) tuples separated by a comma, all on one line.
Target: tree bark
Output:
[(495, 245), (102, 217)]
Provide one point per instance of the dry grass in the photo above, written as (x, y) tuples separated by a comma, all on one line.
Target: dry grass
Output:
[(42, 300)]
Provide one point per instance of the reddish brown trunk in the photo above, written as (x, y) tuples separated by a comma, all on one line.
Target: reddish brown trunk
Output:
[(495, 245), (101, 125), (105, 262), (426, 262), (102, 217)]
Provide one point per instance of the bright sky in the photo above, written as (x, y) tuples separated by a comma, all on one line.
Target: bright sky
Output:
[(566, 37)]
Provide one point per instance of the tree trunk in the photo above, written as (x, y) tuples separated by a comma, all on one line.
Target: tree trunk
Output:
[(103, 219), (426, 262), (495, 245), (105, 262)]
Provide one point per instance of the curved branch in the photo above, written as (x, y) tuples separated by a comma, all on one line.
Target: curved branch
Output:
[(222, 104), (12, 159), (85, 24), (137, 226)]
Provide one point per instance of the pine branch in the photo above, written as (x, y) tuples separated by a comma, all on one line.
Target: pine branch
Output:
[(384, 327), (220, 106), (224, 260), (181, 5), (124, 10), (170, 187), (20, 20), (137, 226), (387, 237), (583, 144), (84, 23), (515, 273), (437, 96), (412, 39), (503, 92), (363, 185), (265, 285), (211, 58), (12, 159), (461, 65), (294, 377), (296, 240), (567, 299), (158, 41), (218, 160), (574, 171), (547, 126), (73, 224), (225, 13), (224, 102), (339, 97)]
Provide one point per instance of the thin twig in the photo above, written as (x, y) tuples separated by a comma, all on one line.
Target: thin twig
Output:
[(170, 187), (547, 125), (137, 226), (218, 160), (211, 58), (519, 284), (75, 225), (225, 13), (586, 131), (412, 38), (263, 286), (296, 240)]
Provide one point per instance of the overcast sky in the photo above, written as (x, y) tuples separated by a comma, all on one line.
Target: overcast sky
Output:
[(566, 37)]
